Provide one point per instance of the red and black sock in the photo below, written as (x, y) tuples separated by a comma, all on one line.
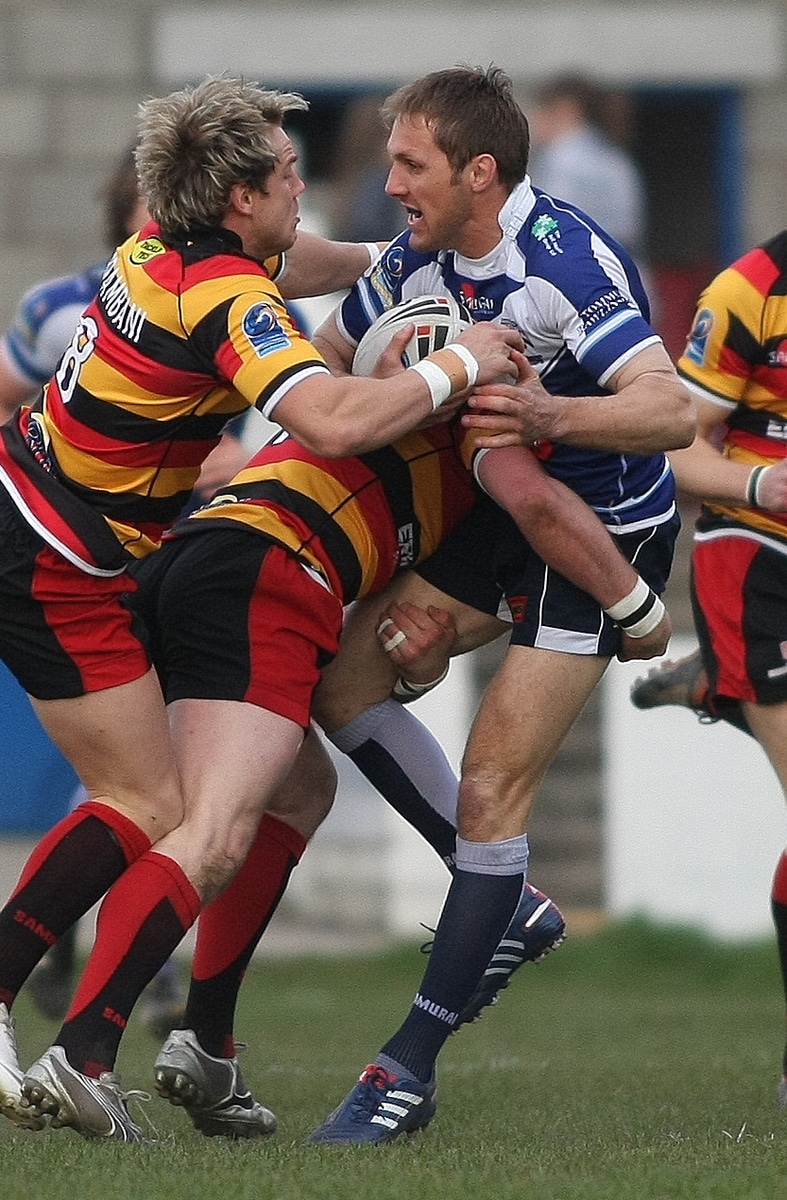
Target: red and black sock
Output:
[(779, 911), (141, 921), (68, 872), (229, 930)]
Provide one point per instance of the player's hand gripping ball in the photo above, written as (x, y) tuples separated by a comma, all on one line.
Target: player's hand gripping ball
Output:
[(438, 320)]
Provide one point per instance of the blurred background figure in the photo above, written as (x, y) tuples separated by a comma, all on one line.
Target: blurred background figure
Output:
[(576, 158), (362, 212), (47, 314)]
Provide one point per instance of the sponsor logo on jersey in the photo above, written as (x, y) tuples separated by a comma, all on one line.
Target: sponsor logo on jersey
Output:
[(547, 231), (777, 355), (120, 310), (601, 308), (386, 273), (262, 328), (475, 303), (406, 544), (776, 430), (146, 249), (697, 345)]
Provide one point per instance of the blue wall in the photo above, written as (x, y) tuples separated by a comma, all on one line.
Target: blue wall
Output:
[(36, 782)]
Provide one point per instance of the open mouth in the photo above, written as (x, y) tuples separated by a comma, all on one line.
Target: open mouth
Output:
[(413, 214)]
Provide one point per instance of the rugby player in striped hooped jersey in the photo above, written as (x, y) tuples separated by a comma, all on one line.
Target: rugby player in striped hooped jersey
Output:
[(735, 365), (187, 331)]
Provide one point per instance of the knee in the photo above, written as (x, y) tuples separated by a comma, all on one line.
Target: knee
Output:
[(307, 797), (493, 806)]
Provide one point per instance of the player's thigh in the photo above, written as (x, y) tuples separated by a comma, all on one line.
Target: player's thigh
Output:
[(362, 674), (768, 723), (119, 744), (527, 710), (307, 794)]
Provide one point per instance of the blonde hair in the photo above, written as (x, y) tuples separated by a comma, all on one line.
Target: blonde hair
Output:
[(196, 144)]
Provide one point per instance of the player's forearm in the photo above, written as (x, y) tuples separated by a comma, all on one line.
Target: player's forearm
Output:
[(653, 414), (559, 526), (316, 266)]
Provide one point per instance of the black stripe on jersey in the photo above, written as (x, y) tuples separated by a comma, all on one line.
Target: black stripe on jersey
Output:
[(155, 344), (134, 508), (338, 545), (397, 482), (133, 428), (776, 249), (757, 421), (742, 342)]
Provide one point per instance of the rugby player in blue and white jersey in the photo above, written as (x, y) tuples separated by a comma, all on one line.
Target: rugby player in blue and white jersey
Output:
[(599, 401)]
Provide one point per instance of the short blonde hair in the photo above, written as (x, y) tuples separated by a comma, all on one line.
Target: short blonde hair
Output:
[(196, 144)]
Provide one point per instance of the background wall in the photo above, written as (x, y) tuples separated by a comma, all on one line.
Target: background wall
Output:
[(71, 76)]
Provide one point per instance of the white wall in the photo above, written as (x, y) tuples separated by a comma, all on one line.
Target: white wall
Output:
[(694, 815), (375, 43)]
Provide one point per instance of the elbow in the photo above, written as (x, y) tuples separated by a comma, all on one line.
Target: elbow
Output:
[(686, 425), (332, 443)]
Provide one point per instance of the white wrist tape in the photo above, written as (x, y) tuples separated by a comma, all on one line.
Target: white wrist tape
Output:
[(439, 384), (639, 613), (404, 689), (753, 486), (374, 252), (468, 358)]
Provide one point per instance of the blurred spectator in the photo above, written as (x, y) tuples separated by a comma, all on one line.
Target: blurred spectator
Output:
[(362, 210), (48, 313), (576, 159)]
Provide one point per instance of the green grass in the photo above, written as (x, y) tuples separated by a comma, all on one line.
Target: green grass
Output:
[(635, 1064)]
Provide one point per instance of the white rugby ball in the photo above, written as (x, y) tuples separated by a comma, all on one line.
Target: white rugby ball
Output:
[(438, 320)]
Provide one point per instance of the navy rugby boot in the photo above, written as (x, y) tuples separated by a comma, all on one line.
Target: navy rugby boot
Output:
[(380, 1108)]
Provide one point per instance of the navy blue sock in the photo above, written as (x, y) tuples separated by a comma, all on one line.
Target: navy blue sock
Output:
[(477, 912)]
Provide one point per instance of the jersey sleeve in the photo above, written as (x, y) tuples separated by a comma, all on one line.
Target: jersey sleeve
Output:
[(577, 296), (717, 362), (262, 353)]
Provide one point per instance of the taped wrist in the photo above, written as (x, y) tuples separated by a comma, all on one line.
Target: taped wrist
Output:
[(404, 690), (638, 613), (446, 371)]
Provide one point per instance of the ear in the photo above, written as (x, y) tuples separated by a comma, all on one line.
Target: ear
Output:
[(241, 198), (482, 172)]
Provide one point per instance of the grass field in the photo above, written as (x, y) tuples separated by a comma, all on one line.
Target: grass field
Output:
[(635, 1064)]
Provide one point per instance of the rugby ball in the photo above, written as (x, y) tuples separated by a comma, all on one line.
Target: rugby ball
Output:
[(438, 320)]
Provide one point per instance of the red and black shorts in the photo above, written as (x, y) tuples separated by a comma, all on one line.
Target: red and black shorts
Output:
[(739, 594), (233, 616), (63, 632)]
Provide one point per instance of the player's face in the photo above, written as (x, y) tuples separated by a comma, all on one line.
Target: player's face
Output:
[(275, 218), (439, 204)]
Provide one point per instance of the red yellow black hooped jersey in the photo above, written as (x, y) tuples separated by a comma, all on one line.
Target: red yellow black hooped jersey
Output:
[(182, 336), (356, 521), (736, 356)]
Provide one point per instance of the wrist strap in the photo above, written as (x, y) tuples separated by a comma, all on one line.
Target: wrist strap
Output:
[(639, 613), (752, 487), (373, 251), (405, 690)]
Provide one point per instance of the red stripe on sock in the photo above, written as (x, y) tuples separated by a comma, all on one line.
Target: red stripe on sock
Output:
[(228, 923), (152, 879)]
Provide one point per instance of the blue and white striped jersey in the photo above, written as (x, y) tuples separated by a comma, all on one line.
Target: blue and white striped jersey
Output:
[(45, 322), (576, 297)]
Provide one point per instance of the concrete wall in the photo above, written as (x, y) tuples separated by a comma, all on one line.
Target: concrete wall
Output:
[(73, 71)]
